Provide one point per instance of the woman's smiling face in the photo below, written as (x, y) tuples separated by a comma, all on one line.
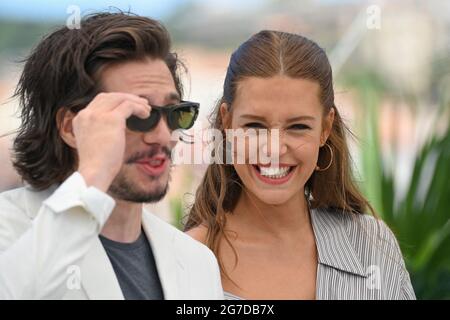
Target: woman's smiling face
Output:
[(293, 107)]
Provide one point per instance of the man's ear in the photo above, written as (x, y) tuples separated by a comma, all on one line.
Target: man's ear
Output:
[(64, 119), (225, 115), (328, 126)]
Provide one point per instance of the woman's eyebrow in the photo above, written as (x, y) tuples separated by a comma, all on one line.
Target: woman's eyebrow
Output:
[(311, 118), (255, 117)]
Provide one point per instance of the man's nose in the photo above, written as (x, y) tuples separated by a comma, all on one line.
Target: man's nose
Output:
[(160, 134)]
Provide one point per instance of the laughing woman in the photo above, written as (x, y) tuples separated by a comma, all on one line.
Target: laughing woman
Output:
[(301, 229)]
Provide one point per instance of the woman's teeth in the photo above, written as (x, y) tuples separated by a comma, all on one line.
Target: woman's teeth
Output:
[(274, 172)]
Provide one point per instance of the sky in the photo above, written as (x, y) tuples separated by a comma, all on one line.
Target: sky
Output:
[(56, 9), (48, 9)]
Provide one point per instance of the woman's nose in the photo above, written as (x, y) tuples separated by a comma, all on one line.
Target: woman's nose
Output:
[(274, 145)]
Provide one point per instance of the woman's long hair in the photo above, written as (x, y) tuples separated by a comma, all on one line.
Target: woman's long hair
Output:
[(264, 55)]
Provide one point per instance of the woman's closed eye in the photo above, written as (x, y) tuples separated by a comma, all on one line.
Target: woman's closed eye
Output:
[(256, 125), (299, 126)]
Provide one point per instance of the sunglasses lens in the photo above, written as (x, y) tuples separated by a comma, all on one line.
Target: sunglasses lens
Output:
[(184, 117), (143, 125)]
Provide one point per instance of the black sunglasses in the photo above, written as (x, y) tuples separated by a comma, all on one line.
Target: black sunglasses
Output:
[(179, 116)]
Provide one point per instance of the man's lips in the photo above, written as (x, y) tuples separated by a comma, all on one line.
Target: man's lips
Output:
[(153, 166), (153, 161)]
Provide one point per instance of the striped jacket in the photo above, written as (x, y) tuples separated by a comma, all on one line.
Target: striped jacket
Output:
[(358, 258)]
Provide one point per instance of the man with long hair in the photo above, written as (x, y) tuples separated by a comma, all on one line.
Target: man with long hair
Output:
[(99, 106)]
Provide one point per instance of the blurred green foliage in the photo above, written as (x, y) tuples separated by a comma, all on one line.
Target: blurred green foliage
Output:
[(420, 217)]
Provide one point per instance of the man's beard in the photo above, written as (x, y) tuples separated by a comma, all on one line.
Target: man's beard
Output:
[(124, 189)]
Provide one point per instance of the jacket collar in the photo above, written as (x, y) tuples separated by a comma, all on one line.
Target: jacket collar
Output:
[(100, 281), (33, 199), (171, 270), (333, 244), (97, 275)]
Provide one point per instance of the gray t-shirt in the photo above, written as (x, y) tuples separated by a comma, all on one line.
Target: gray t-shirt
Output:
[(135, 268)]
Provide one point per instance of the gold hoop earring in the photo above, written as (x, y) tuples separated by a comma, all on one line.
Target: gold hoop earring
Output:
[(331, 159)]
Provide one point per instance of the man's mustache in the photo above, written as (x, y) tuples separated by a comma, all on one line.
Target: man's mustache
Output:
[(153, 151)]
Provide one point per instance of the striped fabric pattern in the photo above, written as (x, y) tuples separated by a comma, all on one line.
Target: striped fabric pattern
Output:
[(358, 259), (230, 296)]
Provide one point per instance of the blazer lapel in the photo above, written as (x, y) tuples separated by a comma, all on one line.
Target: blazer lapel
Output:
[(333, 246), (97, 275), (170, 269)]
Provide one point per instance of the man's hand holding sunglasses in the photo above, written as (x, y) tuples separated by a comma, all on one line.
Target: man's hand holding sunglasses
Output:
[(99, 132)]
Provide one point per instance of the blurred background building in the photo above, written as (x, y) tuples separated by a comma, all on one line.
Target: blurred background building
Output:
[(391, 67)]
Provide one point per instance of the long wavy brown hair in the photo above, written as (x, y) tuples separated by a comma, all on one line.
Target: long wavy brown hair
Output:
[(63, 71), (267, 54)]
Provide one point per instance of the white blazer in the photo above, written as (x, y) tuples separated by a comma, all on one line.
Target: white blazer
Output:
[(49, 248)]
